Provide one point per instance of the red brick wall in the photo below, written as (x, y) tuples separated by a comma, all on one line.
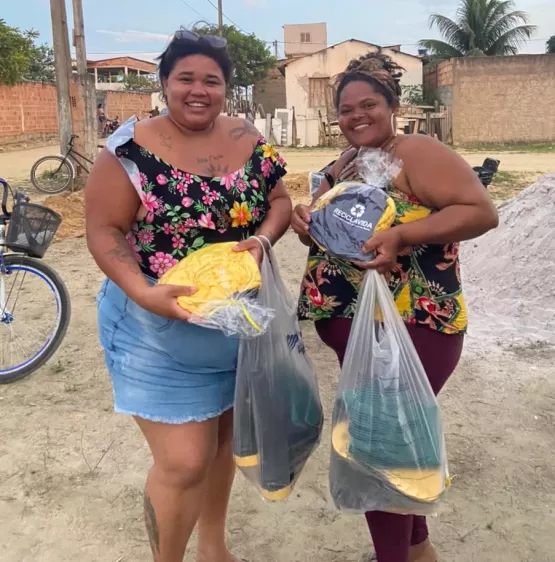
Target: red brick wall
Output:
[(28, 113), (29, 116), (126, 104)]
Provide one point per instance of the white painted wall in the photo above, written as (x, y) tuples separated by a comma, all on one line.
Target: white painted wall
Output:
[(329, 63)]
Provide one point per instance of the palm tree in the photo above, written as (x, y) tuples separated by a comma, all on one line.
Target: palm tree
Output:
[(482, 28)]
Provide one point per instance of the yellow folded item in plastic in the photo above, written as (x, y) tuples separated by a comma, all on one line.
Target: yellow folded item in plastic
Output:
[(422, 485), (218, 273)]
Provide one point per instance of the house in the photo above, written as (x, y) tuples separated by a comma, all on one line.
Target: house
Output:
[(308, 81), (107, 70), (304, 39)]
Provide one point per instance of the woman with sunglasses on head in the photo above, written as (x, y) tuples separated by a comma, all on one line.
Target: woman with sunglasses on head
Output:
[(440, 202), (163, 188)]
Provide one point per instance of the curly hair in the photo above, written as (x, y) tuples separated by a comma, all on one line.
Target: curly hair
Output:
[(377, 69)]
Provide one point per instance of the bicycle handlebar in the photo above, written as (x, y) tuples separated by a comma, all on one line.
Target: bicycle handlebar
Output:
[(5, 189)]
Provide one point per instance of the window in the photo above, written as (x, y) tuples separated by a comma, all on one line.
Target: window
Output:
[(305, 38), (319, 92)]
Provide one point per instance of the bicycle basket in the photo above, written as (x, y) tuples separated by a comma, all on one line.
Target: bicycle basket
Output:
[(31, 229)]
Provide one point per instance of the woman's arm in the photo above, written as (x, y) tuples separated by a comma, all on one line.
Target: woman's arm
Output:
[(278, 218), (111, 206), (440, 178)]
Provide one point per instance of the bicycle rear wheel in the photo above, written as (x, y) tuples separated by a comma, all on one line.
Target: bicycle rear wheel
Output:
[(52, 174), (35, 310)]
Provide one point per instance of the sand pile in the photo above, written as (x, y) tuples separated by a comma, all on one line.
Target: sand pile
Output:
[(71, 207), (509, 273)]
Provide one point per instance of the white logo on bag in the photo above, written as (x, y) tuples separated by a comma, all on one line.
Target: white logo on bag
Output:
[(358, 210), (353, 218)]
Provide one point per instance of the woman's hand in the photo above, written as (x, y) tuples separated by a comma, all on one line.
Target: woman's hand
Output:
[(300, 220), (254, 246), (386, 244), (162, 300)]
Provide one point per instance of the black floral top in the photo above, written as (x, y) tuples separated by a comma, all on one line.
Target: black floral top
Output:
[(426, 282), (185, 212)]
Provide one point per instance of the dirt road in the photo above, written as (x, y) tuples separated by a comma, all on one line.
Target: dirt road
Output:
[(16, 166), (71, 471)]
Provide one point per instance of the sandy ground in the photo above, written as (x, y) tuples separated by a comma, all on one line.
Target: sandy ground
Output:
[(71, 471)]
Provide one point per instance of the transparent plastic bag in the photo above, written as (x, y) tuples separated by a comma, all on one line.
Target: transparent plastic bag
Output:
[(388, 450), (278, 415), (227, 285), (345, 217)]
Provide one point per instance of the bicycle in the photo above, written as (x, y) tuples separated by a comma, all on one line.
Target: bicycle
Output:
[(25, 234), (61, 178)]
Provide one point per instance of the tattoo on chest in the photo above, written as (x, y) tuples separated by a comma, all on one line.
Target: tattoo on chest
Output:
[(247, 128), (166, 141), (213, 165)]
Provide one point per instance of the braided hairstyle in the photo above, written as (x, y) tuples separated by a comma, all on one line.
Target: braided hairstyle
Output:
[(377, 69)]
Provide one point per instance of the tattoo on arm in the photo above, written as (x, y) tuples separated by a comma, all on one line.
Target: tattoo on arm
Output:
[(152, 526), (213, 166), (247, 128), (122, 252)]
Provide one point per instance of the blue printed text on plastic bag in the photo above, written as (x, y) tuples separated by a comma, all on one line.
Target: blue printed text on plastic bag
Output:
[(348, 220)]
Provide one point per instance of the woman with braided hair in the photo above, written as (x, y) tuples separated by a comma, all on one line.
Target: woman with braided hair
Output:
[(440, 202)]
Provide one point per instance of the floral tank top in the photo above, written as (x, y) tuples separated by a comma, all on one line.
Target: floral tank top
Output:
[(185, 212), (426, 282)]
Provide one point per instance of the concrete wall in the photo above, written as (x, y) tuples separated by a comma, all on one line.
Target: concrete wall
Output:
[(497, 99), (504, 99), (327, 64), (29, 115), (270, 92), (292, 38)]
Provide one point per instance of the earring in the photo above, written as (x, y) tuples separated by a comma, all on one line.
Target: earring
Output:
[(393, 125)]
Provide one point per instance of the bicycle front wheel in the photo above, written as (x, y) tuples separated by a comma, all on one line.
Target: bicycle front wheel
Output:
[(51, 174), (35, 310)]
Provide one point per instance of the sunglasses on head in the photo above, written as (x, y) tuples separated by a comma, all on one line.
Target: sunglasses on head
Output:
[(214, 41)]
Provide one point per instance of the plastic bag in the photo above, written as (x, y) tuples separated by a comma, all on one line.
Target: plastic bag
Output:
[(278, 415), (345, 217), (388, 450), (227, 285)]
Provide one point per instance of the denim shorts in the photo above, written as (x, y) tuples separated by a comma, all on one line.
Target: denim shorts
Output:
[(164, 370)]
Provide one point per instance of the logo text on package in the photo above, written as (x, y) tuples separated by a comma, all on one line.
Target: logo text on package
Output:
[(353, 218)]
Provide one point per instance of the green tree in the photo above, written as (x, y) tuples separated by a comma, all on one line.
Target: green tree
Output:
[(16, 53), (551, 45), (41, 68), (135, 82), (22, 59), (481, 28), (251, 56)]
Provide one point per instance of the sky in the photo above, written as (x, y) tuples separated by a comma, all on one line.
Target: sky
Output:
[(143, 26)]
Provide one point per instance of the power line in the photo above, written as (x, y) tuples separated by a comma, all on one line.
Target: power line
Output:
[(227, 18), (194, 9)]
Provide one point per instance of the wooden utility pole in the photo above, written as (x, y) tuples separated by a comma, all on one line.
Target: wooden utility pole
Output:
[(220, 17), (62, 63), (85, 81), (276, 53)]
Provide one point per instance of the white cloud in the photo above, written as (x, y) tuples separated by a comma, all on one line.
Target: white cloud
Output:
[(132, 36)]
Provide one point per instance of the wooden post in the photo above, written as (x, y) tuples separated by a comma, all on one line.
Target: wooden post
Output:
[(294, 128), (62, 63), (86, 82), (220, 17)]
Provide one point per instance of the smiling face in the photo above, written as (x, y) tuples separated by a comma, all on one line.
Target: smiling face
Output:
[(195, 91), (365, 117)]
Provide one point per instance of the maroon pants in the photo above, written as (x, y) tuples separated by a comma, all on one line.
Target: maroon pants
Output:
[(393, 534)]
